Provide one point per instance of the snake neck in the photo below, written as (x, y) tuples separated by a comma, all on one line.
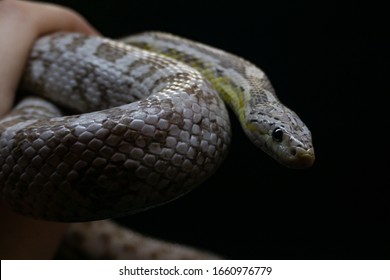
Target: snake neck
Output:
[(232, 94), (238, 82)]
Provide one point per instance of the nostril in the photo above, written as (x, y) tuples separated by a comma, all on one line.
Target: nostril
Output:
[(293, 151)]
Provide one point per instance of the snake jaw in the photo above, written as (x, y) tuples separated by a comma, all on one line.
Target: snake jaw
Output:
[(291, 156), (293, 152), (304, 158)]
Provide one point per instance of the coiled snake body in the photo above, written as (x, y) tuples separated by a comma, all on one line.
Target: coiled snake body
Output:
[(149, 128)]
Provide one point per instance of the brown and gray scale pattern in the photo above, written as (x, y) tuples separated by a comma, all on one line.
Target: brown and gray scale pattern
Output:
[(146, 129), (170, 135)]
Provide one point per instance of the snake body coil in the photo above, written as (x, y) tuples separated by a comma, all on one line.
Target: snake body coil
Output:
[(150, 127)]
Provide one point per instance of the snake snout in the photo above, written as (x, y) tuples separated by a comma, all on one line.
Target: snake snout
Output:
[(301, 158)]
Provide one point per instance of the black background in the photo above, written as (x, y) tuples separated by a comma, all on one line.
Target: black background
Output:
[(253, 208)]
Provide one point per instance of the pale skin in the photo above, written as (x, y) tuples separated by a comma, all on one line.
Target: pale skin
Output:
[(21, 22)]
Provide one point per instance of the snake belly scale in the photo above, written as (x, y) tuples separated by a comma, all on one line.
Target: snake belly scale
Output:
[(146, 130)]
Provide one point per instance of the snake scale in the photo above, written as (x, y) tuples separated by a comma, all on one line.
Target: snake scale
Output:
[(146, 125)]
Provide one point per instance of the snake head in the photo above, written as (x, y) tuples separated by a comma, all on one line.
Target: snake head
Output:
[(279, 132)]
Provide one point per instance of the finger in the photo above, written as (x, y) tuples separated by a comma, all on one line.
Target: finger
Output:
[(21, 23)]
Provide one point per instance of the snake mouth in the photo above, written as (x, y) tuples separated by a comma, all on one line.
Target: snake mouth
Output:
[(301, 158)]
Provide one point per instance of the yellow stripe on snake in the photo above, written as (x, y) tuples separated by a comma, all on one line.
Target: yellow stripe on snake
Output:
[(150, 124)]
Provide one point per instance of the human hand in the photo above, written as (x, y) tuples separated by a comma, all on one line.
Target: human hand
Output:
[(21, 23)]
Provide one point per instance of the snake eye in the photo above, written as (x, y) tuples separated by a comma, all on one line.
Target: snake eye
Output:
[(277, 134)]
